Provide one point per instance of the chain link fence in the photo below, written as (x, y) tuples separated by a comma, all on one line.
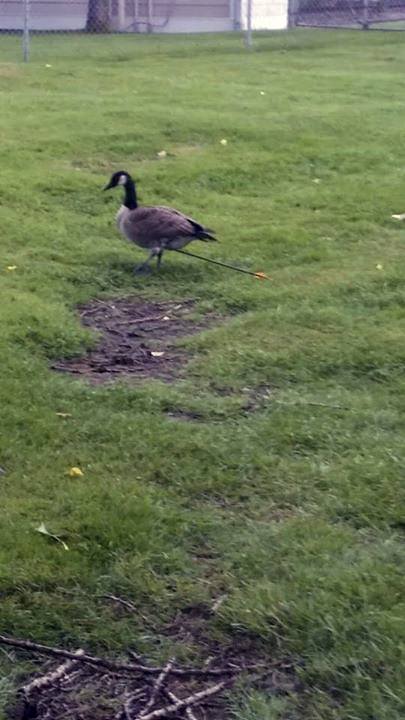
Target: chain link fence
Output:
[(363, 14), (26, 18)]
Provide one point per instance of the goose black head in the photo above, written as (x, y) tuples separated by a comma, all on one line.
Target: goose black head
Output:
[(119, 178)]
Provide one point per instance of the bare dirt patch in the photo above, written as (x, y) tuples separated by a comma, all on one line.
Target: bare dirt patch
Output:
[(190, 628), (137, 339)]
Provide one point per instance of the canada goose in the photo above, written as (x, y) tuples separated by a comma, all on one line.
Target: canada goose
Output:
[(155, 228)]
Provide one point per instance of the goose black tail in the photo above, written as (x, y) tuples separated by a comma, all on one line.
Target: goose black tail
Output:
[(203, 233), (206, 235)]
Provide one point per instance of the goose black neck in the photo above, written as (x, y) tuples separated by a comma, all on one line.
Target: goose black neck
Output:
[(130, 200)]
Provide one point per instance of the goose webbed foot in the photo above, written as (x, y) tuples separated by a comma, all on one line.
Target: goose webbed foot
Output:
[(145, 266), (142, 269)]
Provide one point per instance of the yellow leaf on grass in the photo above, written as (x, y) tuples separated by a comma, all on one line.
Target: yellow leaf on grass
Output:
[(76, 472)]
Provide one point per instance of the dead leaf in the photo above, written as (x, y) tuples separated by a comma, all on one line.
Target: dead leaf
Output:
[(44, 531), (63, 415)]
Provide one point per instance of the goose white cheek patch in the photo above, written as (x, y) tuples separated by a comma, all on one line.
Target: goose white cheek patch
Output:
[(122, 180)]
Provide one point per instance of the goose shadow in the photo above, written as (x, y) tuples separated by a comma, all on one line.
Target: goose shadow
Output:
[(169, 270)]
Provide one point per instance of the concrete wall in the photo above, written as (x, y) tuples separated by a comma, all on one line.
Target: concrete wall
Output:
[(52, 15), (266, 14), (167, 16), (174, 15)]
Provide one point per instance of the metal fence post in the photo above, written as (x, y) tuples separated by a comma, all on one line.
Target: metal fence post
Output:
[(293, 9), (121, 14), (366, 24), (26, 31), (248, 34), (149, 9)]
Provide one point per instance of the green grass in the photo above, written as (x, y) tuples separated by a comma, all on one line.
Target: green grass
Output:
[(296, 511)]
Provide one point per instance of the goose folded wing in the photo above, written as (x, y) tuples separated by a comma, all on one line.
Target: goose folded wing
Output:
[(192, 224), (162, 222)]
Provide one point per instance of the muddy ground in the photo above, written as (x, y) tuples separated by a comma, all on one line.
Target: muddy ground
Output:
[(137, 339)]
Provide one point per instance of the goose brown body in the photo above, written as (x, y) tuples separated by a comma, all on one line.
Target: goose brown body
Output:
[(154, 228), (161, 226)]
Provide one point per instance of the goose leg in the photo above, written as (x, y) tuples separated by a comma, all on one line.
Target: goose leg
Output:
[(159, 259), (145, 267)]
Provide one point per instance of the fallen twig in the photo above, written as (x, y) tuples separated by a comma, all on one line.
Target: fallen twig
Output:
[(47, 680), (186, 702), (156, 688), (171, 696), (89, 659), (126, 712), (136, 656), (125, 603), (117, 667), (140, 320)]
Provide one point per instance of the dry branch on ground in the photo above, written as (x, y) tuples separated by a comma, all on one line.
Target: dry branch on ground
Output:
[(85, 686)]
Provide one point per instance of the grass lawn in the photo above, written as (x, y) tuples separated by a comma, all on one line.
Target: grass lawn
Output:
[(293, 512)]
